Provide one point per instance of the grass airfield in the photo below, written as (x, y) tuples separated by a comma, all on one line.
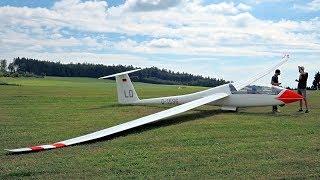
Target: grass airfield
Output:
[(205, 142)]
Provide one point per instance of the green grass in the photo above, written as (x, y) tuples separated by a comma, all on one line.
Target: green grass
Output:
[(205, 142)]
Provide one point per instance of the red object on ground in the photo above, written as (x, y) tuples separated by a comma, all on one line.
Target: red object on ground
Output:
[(59, 145), (289, 96), (36, 148)]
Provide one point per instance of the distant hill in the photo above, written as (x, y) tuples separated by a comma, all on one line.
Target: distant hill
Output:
[(147, 75)]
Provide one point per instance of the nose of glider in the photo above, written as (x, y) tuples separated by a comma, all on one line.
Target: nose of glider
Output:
[(289, 96)]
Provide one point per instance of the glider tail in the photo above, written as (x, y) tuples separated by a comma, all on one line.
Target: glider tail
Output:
[(125, 89)]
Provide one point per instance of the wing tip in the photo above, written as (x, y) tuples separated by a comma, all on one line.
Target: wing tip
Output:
[(37, 148), (17, 151)]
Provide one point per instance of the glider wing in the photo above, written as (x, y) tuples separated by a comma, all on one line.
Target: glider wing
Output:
[(125, 126), (239, 86)]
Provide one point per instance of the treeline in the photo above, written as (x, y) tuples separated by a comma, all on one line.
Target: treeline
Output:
[(147, 75), (316, 81)]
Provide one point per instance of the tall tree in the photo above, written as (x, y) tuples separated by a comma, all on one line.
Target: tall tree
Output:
[(3, 65), (11, 68), (316, 81)]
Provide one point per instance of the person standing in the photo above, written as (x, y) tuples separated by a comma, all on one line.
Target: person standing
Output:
[(275, 82), (302, 87)]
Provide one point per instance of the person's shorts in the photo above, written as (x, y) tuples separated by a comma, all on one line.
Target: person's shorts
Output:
[(303, 92)]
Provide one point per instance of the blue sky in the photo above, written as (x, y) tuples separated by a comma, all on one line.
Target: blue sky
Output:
[(223, 39)]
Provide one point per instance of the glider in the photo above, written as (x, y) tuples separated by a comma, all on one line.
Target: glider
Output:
[(228, 96)]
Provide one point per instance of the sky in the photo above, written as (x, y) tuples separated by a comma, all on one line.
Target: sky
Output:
[(232, 40)]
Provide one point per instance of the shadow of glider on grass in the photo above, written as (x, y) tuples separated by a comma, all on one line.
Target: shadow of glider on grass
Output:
[(228, 96)]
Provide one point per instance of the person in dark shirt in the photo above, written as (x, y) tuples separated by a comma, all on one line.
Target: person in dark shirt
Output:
[(275, 82), (302, 87)]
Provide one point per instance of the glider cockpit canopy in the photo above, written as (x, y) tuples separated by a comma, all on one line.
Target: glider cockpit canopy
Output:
[(253, 89)]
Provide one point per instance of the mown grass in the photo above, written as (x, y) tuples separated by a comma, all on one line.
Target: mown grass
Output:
[(205, 142)]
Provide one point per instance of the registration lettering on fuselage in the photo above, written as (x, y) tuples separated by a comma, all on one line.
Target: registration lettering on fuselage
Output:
[(170, 101)]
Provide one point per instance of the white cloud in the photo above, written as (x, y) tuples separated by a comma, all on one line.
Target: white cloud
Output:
[(267, 1), (244, 7), (310, 6), (224, 21), (149, 5), (178, 27)]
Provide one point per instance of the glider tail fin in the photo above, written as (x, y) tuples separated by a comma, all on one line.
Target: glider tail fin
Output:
[(126, 92)]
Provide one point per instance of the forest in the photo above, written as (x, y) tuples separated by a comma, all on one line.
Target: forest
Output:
[(33, 67)]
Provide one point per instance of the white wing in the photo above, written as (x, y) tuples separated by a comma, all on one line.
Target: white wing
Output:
[(128, 125), (241, 85)]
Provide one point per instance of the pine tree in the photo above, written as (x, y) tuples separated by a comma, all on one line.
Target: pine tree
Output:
[(316, 81), (3, 65)]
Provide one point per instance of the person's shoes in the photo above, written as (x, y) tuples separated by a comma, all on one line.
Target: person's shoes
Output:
[(276, 111), (307, 111), (300, 110)]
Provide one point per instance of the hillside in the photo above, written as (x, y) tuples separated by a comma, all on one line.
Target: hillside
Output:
[(148, 75)]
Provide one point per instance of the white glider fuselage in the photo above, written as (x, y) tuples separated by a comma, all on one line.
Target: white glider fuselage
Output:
[(234, 99), (246, 96)]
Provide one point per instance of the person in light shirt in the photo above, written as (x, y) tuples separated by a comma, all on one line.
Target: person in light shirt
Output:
[(302, 87)]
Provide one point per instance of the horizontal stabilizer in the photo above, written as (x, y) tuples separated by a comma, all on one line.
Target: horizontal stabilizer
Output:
[(119, 74)]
